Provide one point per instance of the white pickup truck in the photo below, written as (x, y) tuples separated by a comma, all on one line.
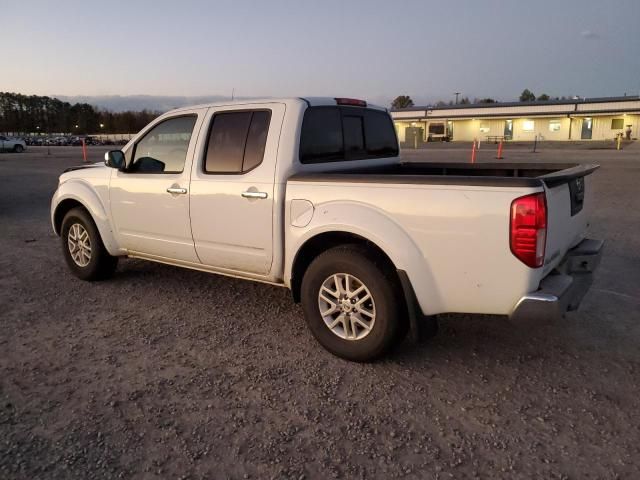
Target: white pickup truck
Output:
[(310, 194)]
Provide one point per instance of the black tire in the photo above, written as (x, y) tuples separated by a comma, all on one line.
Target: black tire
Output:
[(18, 148), (388, 327), (100, 265)]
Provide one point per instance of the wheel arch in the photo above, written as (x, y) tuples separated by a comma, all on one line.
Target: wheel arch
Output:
[(61, 210), (353, 222), (76, 194), (322, 242)]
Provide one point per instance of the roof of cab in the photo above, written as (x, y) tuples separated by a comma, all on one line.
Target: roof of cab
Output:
[(309, 101)]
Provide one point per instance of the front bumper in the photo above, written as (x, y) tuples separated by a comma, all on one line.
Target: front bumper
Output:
[(563, 289)]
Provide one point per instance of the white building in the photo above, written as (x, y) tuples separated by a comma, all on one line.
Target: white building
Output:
[(580, 119)]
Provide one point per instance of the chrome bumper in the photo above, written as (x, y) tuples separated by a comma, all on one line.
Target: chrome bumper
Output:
[(563, 289)]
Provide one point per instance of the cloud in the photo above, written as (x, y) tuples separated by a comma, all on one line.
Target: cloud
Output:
[(589, 35)]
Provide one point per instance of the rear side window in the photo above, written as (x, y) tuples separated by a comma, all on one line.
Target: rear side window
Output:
[(333, 134), (256, 140), (236, 141)]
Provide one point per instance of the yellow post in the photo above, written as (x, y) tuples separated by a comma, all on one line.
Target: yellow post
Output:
[(619, 142)]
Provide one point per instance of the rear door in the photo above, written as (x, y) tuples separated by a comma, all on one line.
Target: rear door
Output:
[(232, 187)]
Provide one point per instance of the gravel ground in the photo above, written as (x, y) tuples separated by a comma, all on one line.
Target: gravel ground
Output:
[(168, 373)]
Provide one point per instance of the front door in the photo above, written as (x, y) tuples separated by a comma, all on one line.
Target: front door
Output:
[(232, 188), (449, 130), (587, 128), (150, 200), (508, 129)]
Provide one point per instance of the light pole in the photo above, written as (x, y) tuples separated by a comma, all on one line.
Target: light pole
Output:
[(456, 94)]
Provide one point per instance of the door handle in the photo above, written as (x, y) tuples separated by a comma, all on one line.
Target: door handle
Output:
[(250, 194), (178, 190)]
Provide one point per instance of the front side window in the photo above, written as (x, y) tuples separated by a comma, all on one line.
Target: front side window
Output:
[(237, 141), (164, 148), (334, 134)]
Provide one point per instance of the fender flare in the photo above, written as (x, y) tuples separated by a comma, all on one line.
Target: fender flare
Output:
[(374, 225), (82, 193)]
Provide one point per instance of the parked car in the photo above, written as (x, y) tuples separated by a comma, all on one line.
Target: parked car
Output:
[(310, 194), (17, 145), (35, 141)]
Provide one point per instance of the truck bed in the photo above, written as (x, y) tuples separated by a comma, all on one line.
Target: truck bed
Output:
[(458, 216), (478, 174)]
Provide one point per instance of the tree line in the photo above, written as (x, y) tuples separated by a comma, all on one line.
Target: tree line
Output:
[(405, 101), (33, 114)]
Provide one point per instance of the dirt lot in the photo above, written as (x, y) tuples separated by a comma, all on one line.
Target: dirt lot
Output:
[(163, 372)]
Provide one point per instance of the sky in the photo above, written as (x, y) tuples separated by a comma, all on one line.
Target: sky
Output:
[(365, 49)]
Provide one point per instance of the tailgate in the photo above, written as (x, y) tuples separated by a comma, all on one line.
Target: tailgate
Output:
[(568, 195)]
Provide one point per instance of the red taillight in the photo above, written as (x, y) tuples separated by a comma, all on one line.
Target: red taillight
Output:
[(351, 101), (528, 231)]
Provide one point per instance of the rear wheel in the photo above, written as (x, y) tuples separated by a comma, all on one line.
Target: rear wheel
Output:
[(83, 249), (351, 305), (18, 148)]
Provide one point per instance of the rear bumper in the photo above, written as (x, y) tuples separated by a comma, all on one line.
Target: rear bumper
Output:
[(563, 289)]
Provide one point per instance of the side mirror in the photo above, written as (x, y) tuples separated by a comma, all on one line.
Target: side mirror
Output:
[(115, 159)]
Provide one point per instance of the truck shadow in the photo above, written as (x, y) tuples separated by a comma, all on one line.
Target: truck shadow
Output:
[(464, 340)]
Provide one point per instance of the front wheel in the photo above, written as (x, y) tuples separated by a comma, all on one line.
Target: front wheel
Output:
[(350, 302), (83, 249), (18, 149)]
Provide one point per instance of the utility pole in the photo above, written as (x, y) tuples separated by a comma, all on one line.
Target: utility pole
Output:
[(233, 91), (456, 94)]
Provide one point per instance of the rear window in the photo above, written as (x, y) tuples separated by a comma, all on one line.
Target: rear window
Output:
[(334, 134)]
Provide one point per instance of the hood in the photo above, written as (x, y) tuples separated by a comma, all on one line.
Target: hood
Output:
[(93, 170), (82, 167)]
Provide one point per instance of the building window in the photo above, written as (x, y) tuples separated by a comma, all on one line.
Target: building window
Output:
[(484, 128), (528, 126), (554, 125), (617, 123), (436, 129)]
